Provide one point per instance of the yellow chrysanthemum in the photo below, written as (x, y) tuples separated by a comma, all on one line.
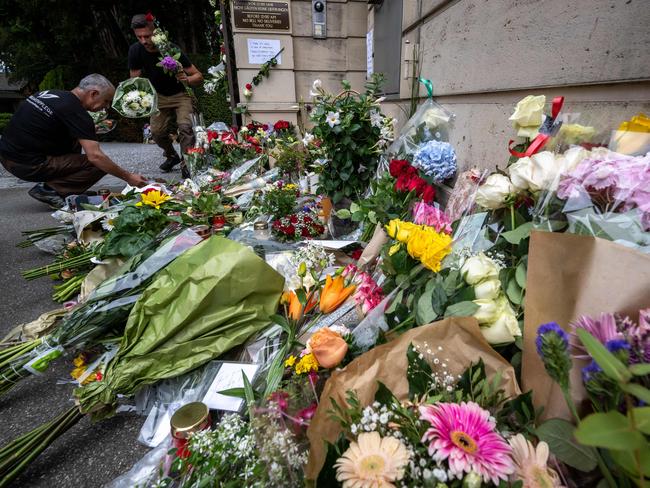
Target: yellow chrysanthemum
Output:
[(422, 242), (153, 198), (372, 462), (290, 361), (306, 364)]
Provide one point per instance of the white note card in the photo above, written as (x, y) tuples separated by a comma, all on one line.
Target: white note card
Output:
[(229, 376), (261, 50)]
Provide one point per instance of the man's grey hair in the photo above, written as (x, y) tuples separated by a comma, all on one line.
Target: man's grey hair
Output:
[(97, 82)]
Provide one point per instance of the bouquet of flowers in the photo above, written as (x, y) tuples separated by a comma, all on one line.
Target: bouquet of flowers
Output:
[(298, 226), (617, 381), (353, 132), (280, 199), (135, 98)]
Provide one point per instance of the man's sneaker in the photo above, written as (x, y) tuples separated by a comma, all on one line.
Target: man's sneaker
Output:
[(46, 195), (169, 164)]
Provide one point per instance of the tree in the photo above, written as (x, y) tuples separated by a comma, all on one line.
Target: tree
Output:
[(77, 37)]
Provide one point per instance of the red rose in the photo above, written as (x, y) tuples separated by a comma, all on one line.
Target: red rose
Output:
[(411, 171), (397, 167), (428, 194), (212, 134), (290, 230), (402, 183), (293, 219), (248, 86), (265, 126), (281, 125), (305, 232), (149, 17)]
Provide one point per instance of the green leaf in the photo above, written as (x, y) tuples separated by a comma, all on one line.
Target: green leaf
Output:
[(250, 395), (642, 419), (383, 395), (610, 430), (637, 390), (640, 369), (372, 216), (557, 434), (609, 363), (424, 312), (520, 275), (514, 292), (626, 460), (396, 301), (461, 309), (354, 207), (281, 321), (418, 373), (234, 392), (518, 234), (343, 213)]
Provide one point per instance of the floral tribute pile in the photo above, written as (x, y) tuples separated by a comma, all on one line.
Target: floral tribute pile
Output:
[(264, 275)]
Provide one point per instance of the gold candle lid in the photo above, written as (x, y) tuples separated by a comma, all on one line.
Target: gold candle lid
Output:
[(261, 225), (189, 417)]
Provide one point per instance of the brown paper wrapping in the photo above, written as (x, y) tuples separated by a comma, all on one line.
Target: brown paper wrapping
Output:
[(373, 249), (570, 276), (462, 343)]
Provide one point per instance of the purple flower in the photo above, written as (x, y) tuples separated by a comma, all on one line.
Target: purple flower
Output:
[(590, 371), (553, 349), (603, 329), (550, 328), (617, 345), (169, 63)]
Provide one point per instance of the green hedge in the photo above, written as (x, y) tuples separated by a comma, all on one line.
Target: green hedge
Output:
[(4, 120)]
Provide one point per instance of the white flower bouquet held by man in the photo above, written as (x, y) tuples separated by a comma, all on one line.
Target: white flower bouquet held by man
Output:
[(135, 98)]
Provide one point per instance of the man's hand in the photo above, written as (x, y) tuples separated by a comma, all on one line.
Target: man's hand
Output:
[(135, 179), (182, 77)]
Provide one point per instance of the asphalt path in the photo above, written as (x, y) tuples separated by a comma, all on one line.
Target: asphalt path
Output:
[(88, 455)]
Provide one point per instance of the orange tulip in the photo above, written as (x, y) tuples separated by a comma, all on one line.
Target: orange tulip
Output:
[(334, 293), (328, 347), (295, 307)]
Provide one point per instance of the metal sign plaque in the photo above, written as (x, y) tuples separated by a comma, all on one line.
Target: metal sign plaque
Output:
[(260, 15)]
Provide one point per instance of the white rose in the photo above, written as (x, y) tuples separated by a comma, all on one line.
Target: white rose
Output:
[(529, 115), (505, 328), (502, 331), (488, 289), (487, 311), (538, 172), (494, 191), (479, 268)]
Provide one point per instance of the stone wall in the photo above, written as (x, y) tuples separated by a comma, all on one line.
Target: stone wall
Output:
[(485, 55), (342, 55)]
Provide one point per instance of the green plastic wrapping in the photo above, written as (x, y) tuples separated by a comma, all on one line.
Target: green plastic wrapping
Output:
[(209, 300)]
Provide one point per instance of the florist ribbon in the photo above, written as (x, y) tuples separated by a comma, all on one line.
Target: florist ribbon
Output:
[(548, 129), (428, 85)]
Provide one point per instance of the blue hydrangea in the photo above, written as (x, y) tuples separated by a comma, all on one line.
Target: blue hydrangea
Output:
[(436, 159)]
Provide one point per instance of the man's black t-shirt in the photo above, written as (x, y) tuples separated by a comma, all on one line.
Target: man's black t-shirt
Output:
[(164, 83), (48, 123)]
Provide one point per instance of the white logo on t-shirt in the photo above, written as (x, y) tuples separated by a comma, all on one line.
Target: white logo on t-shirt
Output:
[(47, 94)]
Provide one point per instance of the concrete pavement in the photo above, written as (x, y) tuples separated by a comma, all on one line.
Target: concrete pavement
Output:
[(88, 455)]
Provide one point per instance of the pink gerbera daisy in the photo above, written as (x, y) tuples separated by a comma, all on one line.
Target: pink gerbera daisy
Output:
[(464, 435)]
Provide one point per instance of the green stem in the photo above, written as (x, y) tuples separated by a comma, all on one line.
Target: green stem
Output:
[(637, 453)]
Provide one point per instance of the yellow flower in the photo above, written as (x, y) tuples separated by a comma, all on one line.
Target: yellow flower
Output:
[(437, 248), (77, 372), (417, 243), (291, 360), (306, 364), (391, 228), (372, 461), (79, 361), (153, 198), (394, 248)]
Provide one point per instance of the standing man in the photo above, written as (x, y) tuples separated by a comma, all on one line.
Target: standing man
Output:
[(44, 138), (173, 99)]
